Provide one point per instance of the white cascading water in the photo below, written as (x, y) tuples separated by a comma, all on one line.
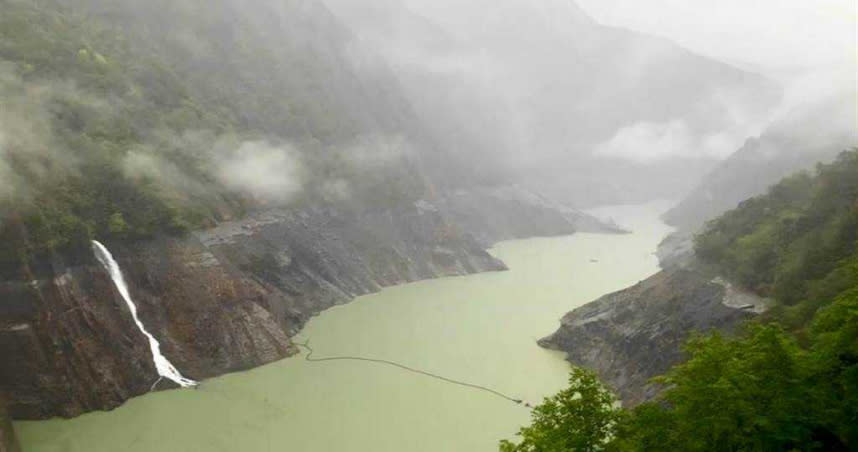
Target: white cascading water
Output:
[(164, 367)]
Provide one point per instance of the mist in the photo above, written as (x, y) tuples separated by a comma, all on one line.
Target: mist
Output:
[(558, 85), (271, 173), (583, 101), (659, 169), (29, 151), (520, 89), (807, 47), (773, 36)]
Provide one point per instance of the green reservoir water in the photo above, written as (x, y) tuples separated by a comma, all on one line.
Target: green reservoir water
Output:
[(480, 329)]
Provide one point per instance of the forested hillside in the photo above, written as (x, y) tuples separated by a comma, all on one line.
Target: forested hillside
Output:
[(790, 380), (127, 119), (797, 244)]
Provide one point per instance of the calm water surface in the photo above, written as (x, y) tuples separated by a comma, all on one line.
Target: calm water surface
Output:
[(480, 329)]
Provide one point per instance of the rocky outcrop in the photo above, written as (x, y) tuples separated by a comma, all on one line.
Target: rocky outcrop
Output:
[(72, 346), (228, 298), (635, 334), (219, 300), (676, 250), (8, 441), (507, 212)]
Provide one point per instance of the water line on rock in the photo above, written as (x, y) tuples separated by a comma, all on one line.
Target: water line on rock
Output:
[(164, 367), (309, 357)]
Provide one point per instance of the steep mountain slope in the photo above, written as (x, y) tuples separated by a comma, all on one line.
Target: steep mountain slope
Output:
[(810, 134), (241, 169), (547, 91), (219, 300), (250, 165), (813, 132), (630, 336), (790, 253), (145, 118), (797, 244), (8, 441)]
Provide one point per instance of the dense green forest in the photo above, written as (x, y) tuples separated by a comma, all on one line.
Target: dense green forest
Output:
[(797, 244), (122, 120), (789, 381)]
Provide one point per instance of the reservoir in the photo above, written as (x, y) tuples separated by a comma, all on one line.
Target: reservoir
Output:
[(480, 329)]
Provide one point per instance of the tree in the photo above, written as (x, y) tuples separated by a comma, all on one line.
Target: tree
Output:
[(649, 427), (116, 223), (581, 418), (835, 359), (743, 394), (789, 382)]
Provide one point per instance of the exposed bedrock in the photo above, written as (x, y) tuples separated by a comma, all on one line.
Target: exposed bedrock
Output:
[(224, 299), (635, 334), (8, 441)]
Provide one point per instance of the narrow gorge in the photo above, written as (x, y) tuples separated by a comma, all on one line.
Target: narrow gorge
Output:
[(427, 225)]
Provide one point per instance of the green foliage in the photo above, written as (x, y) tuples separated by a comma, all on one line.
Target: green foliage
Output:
[(794, 243), (835, 363), (649, 427), (761, 392), (755, 393), (749, 395), (787, 384), (115, 112), (580, 418), (116, 224), (84, 85)]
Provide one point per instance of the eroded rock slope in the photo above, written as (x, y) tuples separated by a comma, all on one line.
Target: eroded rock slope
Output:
[(635, 334)]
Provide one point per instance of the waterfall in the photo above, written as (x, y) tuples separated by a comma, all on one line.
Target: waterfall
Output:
[(162, 364)]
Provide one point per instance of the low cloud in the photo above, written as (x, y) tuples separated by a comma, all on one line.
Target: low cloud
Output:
[(262, 170), (832, 89), (28, 152), (8, 180), (336, 190), (143, 164), (376, 152), (650, 141)]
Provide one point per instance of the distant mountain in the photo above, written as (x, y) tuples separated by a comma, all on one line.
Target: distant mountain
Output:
[(804, 137), (524, 90), (789, 255)]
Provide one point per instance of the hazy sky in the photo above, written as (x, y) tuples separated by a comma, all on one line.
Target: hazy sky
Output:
[(774, 34), (808, 46)]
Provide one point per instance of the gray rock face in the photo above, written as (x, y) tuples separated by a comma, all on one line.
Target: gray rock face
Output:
[(8, 441), (635, 334), (219, 300), (676, 250)]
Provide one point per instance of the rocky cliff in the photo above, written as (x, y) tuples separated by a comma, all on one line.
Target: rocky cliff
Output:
[(635, 334), (223, 299), (8, 442), (677, 249), (219, 300)]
